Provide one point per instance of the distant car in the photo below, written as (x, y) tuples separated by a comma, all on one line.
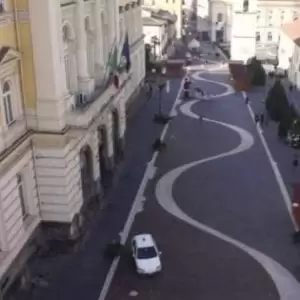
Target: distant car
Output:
[(145, 254)]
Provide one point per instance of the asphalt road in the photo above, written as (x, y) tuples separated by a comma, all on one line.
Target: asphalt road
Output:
[(236, 195)]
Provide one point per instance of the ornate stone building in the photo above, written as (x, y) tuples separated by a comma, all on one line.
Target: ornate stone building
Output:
[(67, 74), (270, 15)]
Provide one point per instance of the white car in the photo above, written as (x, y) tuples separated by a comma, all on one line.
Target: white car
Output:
[(145, 254)]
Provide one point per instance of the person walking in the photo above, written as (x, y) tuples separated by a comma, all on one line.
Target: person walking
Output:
[(295, 161), (247, 100), (256, 118), (186, 88)]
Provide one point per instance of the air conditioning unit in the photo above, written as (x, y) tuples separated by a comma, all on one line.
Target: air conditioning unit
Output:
[(81, 100)]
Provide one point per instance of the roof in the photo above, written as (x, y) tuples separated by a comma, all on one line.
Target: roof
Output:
[(292, 29), (149, 21), (7, 54), (161, 14), (144, 240), (3, 51)]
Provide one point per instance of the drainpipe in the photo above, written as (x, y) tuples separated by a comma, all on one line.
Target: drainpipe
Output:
[(17, 29)]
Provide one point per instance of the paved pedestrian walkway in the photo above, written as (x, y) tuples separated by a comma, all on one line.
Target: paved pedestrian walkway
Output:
[(283, 155)]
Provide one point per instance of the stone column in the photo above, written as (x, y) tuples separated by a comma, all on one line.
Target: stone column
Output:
[(99, 54), (86, 84), (213, 32)]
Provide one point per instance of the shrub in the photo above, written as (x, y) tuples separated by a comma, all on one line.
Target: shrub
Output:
[(256, 72), (277, 103), (283, 128)]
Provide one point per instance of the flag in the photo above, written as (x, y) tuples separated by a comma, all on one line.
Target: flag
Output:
[(113, 59), (126, 52)]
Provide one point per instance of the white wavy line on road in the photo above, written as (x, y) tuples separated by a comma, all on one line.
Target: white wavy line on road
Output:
[(229, 90), (287, 286)]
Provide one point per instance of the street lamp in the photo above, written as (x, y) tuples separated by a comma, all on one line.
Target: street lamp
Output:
[(155, 42), (161, 84)]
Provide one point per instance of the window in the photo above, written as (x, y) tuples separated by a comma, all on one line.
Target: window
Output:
[(20, 185), (269, 36), (246, 6), (295, 15), (258, 36), (7, 103), (1, 6), (219, 17)]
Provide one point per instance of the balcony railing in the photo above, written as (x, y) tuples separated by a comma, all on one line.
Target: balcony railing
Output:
[(96, 103)]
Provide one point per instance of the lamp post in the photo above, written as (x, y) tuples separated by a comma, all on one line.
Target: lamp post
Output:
[(161, 84), (155, 42)]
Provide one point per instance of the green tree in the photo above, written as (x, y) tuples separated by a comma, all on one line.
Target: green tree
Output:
[(283, 128), (256, 72), (277, 103)]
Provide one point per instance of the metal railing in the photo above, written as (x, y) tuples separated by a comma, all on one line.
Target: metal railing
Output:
[(82, 101)]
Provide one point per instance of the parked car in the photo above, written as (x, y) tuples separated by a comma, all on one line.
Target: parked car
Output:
[(145, 254)]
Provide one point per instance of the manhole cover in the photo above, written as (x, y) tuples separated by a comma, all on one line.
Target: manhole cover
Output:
[(133, 293)]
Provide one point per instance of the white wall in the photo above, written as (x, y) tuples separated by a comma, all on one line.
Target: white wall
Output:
[(285, 51), (294, 67), (160, 32)]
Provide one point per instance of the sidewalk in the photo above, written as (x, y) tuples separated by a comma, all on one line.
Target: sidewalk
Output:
[(282, 154), (81, 274)]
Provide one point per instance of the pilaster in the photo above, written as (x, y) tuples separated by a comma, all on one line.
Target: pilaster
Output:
[(49, 66), (86, 83), (99, 54)]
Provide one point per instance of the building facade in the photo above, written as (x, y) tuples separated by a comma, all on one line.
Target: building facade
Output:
[(288, 46), (270, 16), (19, 205), (67, 78), (159, 29), (174, 7)]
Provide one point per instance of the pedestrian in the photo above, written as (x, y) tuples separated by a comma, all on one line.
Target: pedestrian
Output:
[(186, 87), (256, 118), (247, 100), (201, 118), (295, 161), (261, 119)]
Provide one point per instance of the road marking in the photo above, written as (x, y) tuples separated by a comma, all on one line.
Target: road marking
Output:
[(286, 284), (138, 201)]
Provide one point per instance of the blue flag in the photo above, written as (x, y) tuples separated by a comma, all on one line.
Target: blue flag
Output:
[(126, 52)]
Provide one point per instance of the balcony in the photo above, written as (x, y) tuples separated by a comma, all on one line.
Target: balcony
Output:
[(87, 108)]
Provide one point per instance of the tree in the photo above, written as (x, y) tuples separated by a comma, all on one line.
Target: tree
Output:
[(277, 103), (283, 128), (256, 72)]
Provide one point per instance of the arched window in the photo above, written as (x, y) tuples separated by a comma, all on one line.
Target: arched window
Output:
[(21, 190), (66, 39), (7, 102), (246, 6)]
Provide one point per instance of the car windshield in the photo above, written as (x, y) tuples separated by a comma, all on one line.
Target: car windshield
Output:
[(146, 252)]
